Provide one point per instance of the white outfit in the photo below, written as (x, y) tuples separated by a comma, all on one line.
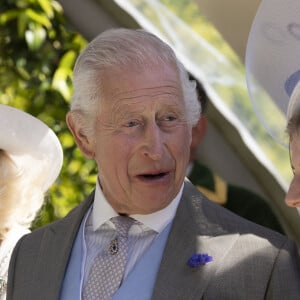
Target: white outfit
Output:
[(6, 249)]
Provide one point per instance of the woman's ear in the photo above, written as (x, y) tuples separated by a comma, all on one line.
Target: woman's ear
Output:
[(84, 141)]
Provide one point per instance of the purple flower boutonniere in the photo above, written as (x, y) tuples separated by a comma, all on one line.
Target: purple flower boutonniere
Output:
[(199, 259)]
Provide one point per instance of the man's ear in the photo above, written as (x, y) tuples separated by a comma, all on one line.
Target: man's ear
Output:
[(198, 133), (199, 130), (84, 141)]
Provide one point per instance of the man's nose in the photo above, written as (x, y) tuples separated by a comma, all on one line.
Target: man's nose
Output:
[(153, 142), (292, 197)]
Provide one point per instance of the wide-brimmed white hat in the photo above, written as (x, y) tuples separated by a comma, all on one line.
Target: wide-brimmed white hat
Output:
[(31, 144), (273, 64)]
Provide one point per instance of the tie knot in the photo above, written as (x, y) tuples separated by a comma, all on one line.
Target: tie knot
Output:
[(122, 224)]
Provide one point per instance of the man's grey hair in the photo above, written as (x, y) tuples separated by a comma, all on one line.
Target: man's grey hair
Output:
[(124, 48)]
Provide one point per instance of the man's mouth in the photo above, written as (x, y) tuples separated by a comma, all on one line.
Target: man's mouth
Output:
[(153, 176)]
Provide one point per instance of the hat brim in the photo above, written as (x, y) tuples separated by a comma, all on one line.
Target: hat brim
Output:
[(273, 63), (31, 144)]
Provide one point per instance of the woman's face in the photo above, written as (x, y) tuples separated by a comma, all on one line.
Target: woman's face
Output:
[(293, 195)]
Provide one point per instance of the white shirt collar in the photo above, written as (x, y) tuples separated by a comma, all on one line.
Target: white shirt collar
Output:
[(102, 212)]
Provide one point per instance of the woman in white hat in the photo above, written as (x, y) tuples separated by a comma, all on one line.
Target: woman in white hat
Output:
[(30, 160), (273, 74)]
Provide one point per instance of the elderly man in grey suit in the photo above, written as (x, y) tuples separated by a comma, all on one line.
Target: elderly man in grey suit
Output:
[(145, 232)]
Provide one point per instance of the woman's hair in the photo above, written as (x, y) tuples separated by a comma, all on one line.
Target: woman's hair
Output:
[(20, 196), (293, 125), (124, 48)]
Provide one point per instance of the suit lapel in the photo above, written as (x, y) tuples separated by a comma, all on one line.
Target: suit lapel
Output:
[(56, 247), (194, 230)]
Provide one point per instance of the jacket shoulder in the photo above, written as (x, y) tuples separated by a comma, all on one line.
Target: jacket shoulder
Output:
[(225, 221)]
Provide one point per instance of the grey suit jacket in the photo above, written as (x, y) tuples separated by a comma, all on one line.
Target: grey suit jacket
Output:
[(249, 261)]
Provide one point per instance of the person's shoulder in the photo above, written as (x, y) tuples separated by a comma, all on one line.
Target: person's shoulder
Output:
[(238, 199), (66, 225), (236, 191), (228, 221)]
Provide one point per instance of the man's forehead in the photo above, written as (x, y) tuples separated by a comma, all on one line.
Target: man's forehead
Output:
[(156, 83)]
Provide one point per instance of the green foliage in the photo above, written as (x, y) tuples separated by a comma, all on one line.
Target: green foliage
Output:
[(37, 55)]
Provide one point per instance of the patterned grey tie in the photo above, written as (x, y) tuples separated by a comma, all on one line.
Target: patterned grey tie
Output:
[(107, 271)]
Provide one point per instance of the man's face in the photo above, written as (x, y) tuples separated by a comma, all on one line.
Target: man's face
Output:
[(142, 139), (293, 195)]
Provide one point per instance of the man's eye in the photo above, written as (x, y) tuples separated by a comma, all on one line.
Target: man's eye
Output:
[(170, 118), (132, 124)]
